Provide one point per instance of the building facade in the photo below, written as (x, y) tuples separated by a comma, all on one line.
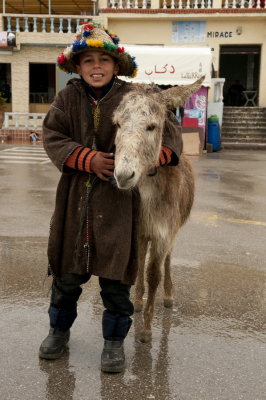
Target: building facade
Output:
[(235, 31)]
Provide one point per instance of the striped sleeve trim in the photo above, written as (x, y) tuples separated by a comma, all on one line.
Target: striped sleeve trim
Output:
[(165, 156), (80, 159)]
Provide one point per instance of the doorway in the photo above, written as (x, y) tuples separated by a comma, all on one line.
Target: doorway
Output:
[(240, 66), (5, 85), (42, 87)]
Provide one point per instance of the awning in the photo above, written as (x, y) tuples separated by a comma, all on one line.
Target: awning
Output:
[(171, 65)]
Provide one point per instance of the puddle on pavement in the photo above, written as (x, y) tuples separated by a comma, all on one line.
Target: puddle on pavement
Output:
[(216, 307), (222, 291), (212, 290)]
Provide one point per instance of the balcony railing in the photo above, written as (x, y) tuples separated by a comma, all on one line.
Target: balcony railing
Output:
[(130, 4), (23, 120), (70, 23), (186, 4), (42, 23)]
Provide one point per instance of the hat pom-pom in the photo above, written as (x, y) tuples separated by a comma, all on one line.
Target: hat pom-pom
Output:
[(115, 40), (61, 59), (86, 33)]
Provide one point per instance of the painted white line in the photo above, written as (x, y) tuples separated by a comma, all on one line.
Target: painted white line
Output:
[(30, 146), (21, 153), (23, 150), (45, 162), (24, 158), (18, 162)]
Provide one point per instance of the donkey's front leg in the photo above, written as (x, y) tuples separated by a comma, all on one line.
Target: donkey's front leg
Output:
[(153, 279), (140, 287), (168, 285)]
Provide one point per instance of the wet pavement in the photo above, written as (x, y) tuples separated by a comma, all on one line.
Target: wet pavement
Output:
[(211, 345)]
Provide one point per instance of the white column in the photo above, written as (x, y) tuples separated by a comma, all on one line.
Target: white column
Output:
[(34, 24), (26, 25), (69, 25), (52, 25), (60, 25), (44, 25), (20, 86), (17, 24)]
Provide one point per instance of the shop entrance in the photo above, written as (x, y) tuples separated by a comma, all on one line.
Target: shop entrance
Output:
[(240, 66)]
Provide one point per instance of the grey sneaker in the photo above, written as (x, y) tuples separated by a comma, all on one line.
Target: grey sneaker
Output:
[(113, 356), (54, 344)]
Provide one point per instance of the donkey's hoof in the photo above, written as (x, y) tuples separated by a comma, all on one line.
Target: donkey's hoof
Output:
[(145, 336), (168, 302), (138, 305)]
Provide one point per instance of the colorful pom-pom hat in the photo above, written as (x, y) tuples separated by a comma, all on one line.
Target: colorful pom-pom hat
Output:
[(93, 36)]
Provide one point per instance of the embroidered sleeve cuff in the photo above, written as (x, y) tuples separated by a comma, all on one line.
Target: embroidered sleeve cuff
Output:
[(80, 159)]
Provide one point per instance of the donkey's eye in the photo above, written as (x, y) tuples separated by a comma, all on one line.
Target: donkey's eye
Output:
[(150, 127)]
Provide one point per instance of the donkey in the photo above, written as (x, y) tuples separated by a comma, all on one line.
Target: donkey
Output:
[(166, 197)]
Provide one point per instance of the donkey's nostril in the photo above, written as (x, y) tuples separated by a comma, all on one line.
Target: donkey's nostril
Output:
[(132, 175)]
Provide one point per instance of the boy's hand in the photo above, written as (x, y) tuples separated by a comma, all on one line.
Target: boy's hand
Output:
[(103, 164)]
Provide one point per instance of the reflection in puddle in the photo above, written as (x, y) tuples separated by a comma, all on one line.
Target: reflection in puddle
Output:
[(224, 292), (61, 381)]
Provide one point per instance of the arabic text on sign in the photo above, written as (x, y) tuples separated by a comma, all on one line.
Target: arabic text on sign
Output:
[(162, 70)]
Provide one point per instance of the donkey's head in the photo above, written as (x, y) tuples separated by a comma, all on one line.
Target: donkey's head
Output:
[(140, 119)]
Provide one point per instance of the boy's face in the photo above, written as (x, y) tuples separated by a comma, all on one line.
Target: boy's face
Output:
[(96, 68)]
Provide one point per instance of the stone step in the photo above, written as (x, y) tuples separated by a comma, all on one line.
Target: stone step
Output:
[(240, 135), (246, 118), (244, 128), (242, 124), (243, 146), (247, 114), (245, 132), (234, 134), (245, 109), (229, 139)]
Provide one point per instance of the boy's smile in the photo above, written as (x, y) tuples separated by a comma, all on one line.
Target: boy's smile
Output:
[(96, 68)]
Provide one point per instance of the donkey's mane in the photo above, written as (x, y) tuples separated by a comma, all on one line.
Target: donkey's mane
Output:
[(147, 89)]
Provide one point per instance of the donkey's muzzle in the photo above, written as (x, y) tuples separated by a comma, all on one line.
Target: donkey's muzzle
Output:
[(124, 179)]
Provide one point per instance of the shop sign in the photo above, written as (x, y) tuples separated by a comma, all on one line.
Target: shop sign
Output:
[(222, 34)]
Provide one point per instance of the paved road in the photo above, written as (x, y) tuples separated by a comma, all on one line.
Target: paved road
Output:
[(210, 346)]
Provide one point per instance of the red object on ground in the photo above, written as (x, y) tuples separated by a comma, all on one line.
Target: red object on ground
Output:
[(190, 122)]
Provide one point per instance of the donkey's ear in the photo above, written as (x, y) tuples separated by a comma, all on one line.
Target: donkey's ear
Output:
[(176, 96)]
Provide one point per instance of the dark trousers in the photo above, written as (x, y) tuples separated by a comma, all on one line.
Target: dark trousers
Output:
[(66, 291)]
